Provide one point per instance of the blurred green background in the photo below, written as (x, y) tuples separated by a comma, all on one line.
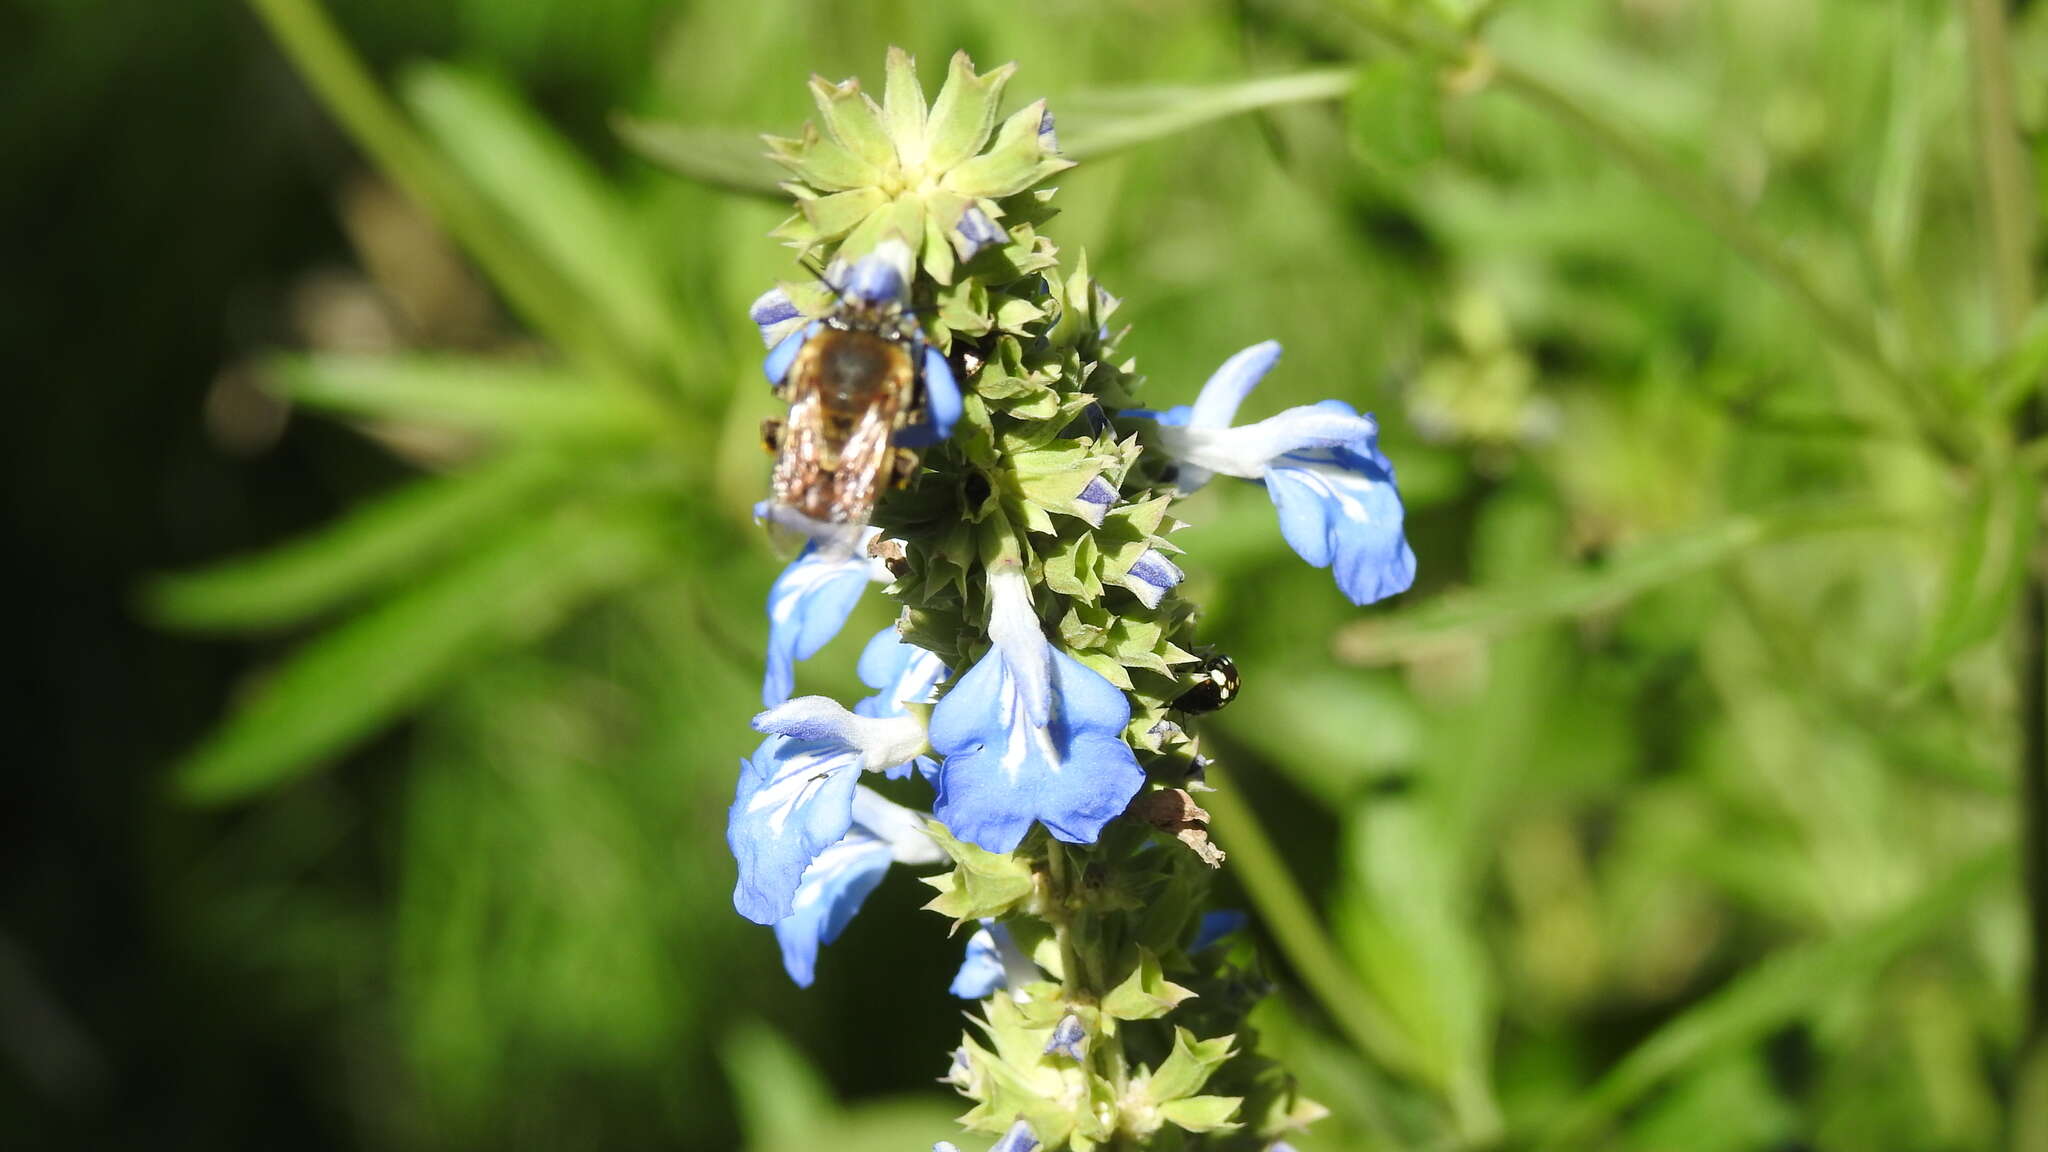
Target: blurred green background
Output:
[(1675, 808)]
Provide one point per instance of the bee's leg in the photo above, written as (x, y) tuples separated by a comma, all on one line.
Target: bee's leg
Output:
[(904, 468), (771, 435)]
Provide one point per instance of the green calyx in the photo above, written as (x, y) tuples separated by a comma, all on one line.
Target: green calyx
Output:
[(904, 169)]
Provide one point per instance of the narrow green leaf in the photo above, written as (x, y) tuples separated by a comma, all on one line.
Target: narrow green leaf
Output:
[(552, 196), (499, 398), (1097, 124), (783, 1101), (1483, 613), (724, 159), (1793, 984), (1985, 569), (366, 672), (376, 545)]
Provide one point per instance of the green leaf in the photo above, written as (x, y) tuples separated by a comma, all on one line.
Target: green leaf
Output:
[(354, 679), (782, 1100), (1791, 985), (982, 885), (855, 122), (903, 108), (1479, 614), (1097, 124), (1019, 160), (964, 112), (1202, 1113), (374, 546), (1188, 1066), (552, 196), (1146, 994), (1985, 569), (507, 399), (721, 158)]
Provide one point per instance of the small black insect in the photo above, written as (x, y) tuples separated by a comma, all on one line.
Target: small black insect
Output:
[(1215, 686)]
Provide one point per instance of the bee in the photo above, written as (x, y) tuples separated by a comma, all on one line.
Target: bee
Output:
[(857, 389), (1215, 685)]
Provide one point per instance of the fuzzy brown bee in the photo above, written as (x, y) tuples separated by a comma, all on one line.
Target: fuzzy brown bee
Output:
[(864, 390)]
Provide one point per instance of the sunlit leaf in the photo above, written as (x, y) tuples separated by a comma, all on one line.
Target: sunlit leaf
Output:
[(1458, 618), (1099, 123), (499, 398), (551, 196), (378, 543), (369, 670), (720, 158), (1986, 566)]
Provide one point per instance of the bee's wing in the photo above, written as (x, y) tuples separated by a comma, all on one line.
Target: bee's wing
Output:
[(801, 480), (864, 461)]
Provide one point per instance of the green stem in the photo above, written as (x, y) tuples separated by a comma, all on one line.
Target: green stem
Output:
[(2008, 198), (1295, 927), (1858, 338), (1060, 914), (337, 76)]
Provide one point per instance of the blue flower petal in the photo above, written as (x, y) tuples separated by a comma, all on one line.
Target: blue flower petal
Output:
[(1095, 500), (900, 673), (1017, 1139), (795, 799), (875, 281), (1215, 926), (941, 402), (1000, 772), (981, 974), (1152, 576), (1216, 405), (807, 606), (1069, 1039), (771, 310), (832, 890), (976, 231), (776, 366), (1339, 509)]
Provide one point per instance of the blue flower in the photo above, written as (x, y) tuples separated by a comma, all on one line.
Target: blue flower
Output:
[(1069, 1039), (1030, 734), (879, 280), (1151, 576), (1321, 464), (1215, 926), (839, 880), (900, 673), (809, 603), (993, 962), (976, 231), (1094, 500), (795, 795), (1018, 1139)]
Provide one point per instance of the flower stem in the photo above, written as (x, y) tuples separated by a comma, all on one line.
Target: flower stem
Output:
[(2007, 197), (1295, 927)]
